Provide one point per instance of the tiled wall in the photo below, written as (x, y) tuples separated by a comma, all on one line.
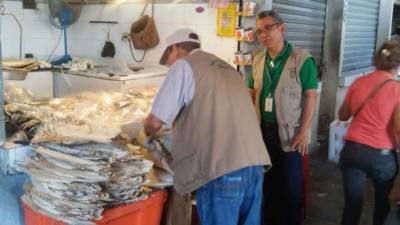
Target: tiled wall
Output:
[(85, 39)]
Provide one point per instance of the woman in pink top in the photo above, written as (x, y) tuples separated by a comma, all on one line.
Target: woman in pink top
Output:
[(373, 102)]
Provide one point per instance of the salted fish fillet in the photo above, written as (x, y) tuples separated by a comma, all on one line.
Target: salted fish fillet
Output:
[(89, 154), (105, 171), (62, 156), (112, 150), (42, 175), (84, 192), (132, 181), (70, 202), (72, 159), (86, 187), (80, 175)]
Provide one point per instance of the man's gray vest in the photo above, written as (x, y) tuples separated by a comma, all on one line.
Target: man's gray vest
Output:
[(218, 132), (288, 94)]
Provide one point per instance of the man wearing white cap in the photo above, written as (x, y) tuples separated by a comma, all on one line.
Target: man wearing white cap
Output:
[(217, 146)]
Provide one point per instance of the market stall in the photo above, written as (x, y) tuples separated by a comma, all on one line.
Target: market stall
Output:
[(79, 161)]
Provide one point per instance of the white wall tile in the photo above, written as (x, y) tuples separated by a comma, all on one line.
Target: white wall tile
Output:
[(89, 48), (39, 29), (9, 30), (227, 54), (154, 54), (84, 30), (164, 30), (51, 44), (42, 13), (208, 16), (38, 47), (131, 12), (119, 29), (180, 26), (123, 51), (169, 13), (14, 7), (99, 12), (227, 42), (10, 48)]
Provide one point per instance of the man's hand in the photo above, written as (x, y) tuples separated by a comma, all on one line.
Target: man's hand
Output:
[(300, 142), (152, 125), (252, 93)]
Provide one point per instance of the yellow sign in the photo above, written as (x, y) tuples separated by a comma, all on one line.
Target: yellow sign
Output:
[(226, 20)]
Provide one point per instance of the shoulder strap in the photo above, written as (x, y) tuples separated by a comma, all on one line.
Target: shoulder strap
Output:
[(371, 95), (145, 7)]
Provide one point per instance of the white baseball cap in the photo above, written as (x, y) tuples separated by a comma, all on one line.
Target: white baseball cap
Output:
[(176, 37)]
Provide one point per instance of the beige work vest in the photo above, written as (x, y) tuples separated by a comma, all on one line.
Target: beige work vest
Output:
[(218, 132), (288, 94)]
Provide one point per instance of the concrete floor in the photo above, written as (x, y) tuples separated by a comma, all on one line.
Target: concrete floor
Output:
[(326, 193)]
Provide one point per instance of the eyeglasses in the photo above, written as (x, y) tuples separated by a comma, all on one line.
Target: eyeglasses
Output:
[(268, 28)]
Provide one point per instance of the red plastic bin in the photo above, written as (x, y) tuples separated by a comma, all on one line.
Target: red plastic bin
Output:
[(145, 212)]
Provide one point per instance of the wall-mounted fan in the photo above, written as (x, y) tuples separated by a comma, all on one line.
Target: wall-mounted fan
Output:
[(62, 15)]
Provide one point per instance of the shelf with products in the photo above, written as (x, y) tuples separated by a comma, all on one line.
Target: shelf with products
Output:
[(243, 58), (248, 9), (244, 34)]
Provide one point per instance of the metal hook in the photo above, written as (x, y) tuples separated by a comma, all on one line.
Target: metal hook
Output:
[(108, 32)]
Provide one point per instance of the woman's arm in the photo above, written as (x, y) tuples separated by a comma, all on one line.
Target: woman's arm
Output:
[(344, 112), (396, 120)]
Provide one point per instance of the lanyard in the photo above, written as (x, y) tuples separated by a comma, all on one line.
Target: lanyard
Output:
[(273, 67)]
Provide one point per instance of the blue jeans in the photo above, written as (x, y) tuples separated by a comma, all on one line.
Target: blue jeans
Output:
[(283, 183), (359, 162), (233, 199)]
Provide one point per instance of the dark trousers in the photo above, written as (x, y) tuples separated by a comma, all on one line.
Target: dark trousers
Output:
[(359, 162), (283, 183)]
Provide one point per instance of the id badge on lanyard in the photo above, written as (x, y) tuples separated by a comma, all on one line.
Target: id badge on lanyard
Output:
[(268, 103), (269, 100)]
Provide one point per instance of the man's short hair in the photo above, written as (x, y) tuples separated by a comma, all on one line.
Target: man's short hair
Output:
[(270, 13), (188, 46)]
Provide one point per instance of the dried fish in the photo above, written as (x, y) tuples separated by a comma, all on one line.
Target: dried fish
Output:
[(71, 174), (75, 182), (79, 169), (89, 153)]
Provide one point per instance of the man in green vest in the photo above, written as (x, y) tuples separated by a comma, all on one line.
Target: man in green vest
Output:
[(283, 86), (217, 145)]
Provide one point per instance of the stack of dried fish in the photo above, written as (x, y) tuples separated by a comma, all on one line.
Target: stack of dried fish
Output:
[(74, 183), (66, 183), (127, 179)]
